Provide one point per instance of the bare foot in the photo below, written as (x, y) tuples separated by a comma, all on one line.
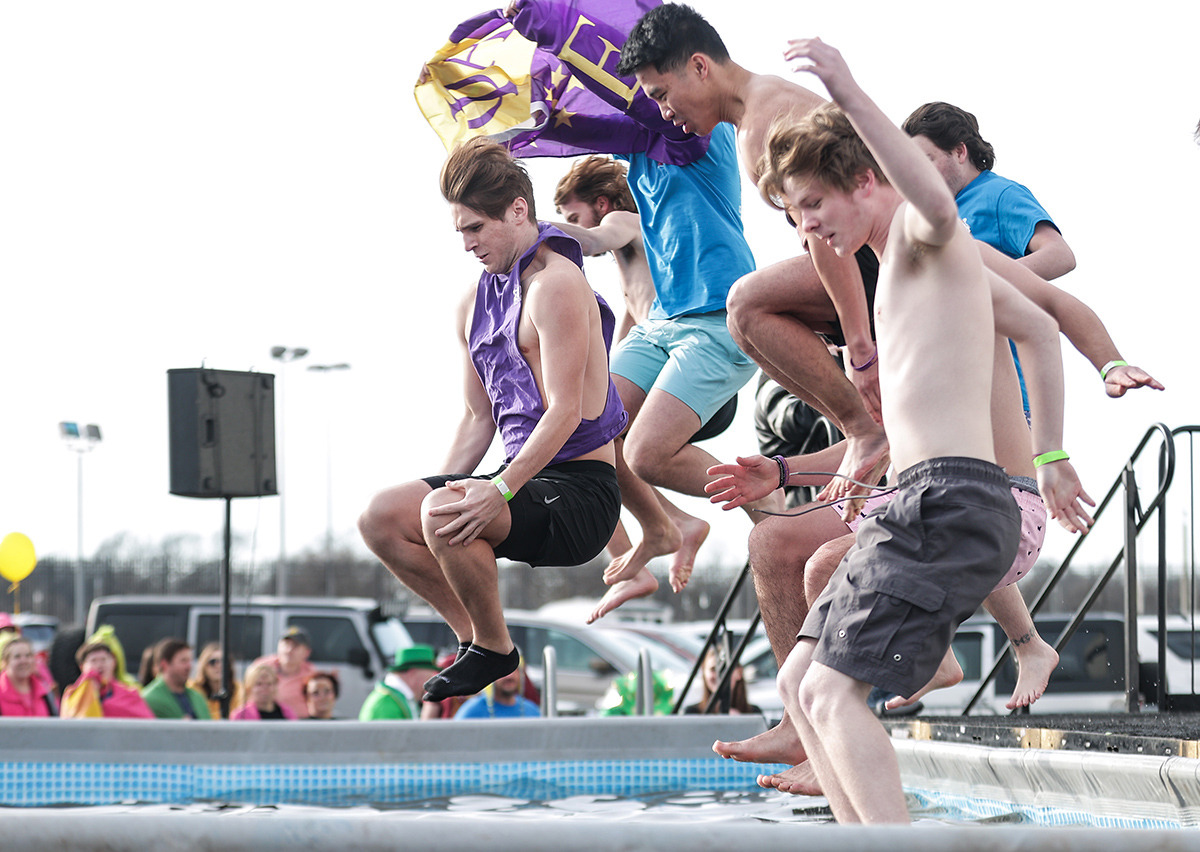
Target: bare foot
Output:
[(639, 587), (800, 780), (948, 673), (781, 744), (694, 533), (1036, 661), (866, 460), (629, 564)]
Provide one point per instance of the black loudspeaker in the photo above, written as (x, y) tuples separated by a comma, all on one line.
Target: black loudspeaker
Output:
[(222, 433)]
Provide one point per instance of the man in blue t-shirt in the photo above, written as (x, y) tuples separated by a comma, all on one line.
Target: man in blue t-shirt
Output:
[(997, 211), (502, 700)]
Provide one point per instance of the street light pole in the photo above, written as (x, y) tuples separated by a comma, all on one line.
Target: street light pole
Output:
[(284, 355), (328, 368), (79, 443)]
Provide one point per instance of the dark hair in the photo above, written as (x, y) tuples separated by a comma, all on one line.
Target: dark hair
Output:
[(823, 145), (666, 37), (166, 650), (948, 126), (592, 178), (329, 676), (483, 175), (89, 647)]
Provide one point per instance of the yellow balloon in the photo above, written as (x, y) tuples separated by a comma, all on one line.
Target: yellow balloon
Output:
[(17, 558)]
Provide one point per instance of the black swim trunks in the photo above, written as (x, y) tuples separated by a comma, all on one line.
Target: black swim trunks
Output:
[(868, 267), (563, 516), (918, 568)]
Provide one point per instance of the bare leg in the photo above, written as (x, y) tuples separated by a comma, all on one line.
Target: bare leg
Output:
[(642, 585), (854, 748), (391, 529), (779, 548), (1036, 659), (949, 672), (774, 316), (471, 572), (791, 675)]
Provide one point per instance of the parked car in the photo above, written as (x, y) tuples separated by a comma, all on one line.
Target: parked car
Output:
[(349, 635), (1089, 677), (588, 657), (38, 629)]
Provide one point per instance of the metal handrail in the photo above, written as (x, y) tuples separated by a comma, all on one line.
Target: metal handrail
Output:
[(549, 682), (1136, 519)]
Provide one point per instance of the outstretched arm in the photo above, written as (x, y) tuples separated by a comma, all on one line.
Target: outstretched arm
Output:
[(843, 282), (616, 230), (1036, 336), (932, 215), (1077, 321)]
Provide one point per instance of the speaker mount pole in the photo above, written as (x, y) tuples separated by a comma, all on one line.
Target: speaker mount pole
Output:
[(226, 660)]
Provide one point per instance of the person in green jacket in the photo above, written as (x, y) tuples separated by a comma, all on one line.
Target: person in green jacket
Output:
[(395, 697), (168, 696)]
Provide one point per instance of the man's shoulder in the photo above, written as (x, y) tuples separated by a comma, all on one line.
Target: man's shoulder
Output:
[(769, 96)]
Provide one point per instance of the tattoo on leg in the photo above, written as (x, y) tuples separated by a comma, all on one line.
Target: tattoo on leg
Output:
[(1022, 640)]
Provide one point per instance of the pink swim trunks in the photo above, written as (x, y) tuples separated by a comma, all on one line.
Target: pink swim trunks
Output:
[(1033, 529)]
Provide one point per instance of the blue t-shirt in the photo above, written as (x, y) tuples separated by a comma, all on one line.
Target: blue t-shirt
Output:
[(1003, 214), (480, 707), (692, 227)]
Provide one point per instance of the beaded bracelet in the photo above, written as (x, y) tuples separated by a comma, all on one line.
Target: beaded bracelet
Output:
[(784, 473)]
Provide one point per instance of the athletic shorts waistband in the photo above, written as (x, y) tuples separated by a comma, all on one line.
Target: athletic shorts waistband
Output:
[(1025, 483), (591, 467), (959, 467)]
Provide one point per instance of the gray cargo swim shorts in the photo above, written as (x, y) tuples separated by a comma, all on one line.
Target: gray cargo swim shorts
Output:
[(917, 570)]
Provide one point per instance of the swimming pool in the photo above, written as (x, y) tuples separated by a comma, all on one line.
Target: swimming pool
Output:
[(573, 777)]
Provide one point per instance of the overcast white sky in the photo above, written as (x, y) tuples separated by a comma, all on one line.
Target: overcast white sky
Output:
[(186, 183)]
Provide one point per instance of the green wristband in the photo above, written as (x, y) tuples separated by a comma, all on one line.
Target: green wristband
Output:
[(1052, 456), (1104, 370), (503, 489)]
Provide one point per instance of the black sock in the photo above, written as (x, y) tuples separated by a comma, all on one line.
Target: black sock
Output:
[(462, 649), (472, 672)]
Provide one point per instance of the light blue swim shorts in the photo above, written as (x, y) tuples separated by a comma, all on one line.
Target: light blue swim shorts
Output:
[(692, 357)]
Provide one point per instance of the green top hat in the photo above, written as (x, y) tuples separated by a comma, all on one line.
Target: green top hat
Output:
[(414, 657)]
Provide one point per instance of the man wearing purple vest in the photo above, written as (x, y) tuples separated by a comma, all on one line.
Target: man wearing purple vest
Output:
[(537, 337)]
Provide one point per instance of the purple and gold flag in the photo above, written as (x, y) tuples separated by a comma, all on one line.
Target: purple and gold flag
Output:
[(545, 85)]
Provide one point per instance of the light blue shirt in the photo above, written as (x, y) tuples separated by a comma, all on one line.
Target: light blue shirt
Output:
[(692, 227)]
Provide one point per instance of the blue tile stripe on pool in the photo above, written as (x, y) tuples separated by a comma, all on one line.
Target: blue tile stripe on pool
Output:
[(970, 807), (32, 784)]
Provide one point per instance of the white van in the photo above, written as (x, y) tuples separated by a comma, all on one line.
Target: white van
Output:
[(351, 636)]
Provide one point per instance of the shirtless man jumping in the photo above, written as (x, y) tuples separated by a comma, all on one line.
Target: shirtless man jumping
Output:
[(905, 582)]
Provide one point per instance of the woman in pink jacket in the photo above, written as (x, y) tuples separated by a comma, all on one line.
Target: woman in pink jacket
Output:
[(98, 692), (21, 692), (261, 686)]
